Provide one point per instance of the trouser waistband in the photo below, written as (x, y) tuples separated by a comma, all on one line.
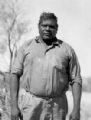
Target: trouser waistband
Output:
[(48, 97), (45, 96)]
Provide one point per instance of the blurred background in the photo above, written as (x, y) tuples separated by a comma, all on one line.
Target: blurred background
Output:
[(19, 23)]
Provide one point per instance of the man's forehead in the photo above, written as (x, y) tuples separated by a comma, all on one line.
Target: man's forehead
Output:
[(48, 21)]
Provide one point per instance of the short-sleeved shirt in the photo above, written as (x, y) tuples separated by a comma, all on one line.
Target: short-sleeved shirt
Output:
[(46, 70)]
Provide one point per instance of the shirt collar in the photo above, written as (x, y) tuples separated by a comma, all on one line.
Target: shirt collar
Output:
[(55, 43)]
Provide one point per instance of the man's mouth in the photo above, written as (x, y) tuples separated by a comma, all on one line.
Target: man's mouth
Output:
[(47, 34)]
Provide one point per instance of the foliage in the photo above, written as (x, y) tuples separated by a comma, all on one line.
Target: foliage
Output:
[(13, 26)]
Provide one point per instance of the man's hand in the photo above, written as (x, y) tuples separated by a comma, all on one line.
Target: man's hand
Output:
[(75, 115), (16, 114)]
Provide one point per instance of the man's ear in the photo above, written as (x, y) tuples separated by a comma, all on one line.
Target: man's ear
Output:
[(56, 29)]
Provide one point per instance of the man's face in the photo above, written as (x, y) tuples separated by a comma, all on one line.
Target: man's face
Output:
[(48, 29)]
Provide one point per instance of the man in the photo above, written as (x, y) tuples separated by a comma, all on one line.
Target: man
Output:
[(42, 71)]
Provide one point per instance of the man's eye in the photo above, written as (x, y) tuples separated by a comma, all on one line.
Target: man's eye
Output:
[(50, 26), (44, 25)]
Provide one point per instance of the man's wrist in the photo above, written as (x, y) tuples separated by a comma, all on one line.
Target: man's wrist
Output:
[(75, 108), (14, 103)]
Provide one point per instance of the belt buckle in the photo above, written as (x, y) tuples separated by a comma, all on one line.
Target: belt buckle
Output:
[(49, 98)]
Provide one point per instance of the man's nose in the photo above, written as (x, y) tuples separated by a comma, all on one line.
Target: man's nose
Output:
[(47, 27)]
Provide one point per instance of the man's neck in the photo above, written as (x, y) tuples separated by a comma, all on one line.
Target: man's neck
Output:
[(50, 41)]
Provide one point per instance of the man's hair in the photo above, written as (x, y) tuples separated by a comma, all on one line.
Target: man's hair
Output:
[(46, 16)]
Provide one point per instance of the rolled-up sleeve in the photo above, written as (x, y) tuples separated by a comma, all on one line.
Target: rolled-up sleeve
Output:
[(74, 69), (17, 65)]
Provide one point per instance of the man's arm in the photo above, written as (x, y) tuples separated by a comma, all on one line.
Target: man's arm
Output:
[(76, 84), (14, 90), (76, 92)]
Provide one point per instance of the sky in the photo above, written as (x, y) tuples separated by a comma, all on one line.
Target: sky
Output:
[(74, 21)]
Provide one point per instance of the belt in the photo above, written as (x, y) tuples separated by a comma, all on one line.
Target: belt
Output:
[(48, 97)]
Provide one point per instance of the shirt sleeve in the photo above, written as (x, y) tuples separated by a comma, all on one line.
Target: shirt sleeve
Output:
[(17, 65), (74, 69)]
